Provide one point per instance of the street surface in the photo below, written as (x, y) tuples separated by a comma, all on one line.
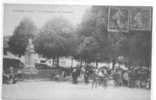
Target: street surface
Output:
[(50, 90)]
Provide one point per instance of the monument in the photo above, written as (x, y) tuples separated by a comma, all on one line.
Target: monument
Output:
[(29, 54)]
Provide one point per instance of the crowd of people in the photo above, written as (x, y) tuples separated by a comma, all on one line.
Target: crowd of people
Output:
[(138, 77)]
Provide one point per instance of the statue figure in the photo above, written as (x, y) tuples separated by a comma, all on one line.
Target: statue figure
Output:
[(30, 47)]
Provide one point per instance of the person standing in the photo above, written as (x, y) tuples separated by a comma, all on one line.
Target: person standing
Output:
[(74, 76), (11, 74)]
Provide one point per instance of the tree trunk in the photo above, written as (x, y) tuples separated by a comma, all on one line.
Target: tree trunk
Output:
[(113, 66), (96, 64), (85, 61), (80, 61), (57, 61), (71, 63), (53, 61)]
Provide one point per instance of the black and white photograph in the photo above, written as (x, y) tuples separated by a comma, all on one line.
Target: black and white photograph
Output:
[(76, 52)]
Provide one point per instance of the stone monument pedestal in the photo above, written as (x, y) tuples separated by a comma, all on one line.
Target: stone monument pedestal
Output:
[(29, 55)]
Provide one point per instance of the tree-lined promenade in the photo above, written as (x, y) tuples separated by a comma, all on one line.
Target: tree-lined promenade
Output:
[(109, 51), (89, 42)]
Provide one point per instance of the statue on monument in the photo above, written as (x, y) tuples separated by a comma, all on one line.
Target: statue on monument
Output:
[(30, 47)]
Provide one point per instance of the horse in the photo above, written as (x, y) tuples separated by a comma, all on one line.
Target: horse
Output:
[(99, 77)]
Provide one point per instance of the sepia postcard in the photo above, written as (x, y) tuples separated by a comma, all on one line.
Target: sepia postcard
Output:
[(76, 52)]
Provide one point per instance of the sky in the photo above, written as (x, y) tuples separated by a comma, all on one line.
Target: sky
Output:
[(40, 14)]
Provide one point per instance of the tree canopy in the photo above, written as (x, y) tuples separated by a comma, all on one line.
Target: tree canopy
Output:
[(55, 39), (108, 46), (90, 41), (19, 40)]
